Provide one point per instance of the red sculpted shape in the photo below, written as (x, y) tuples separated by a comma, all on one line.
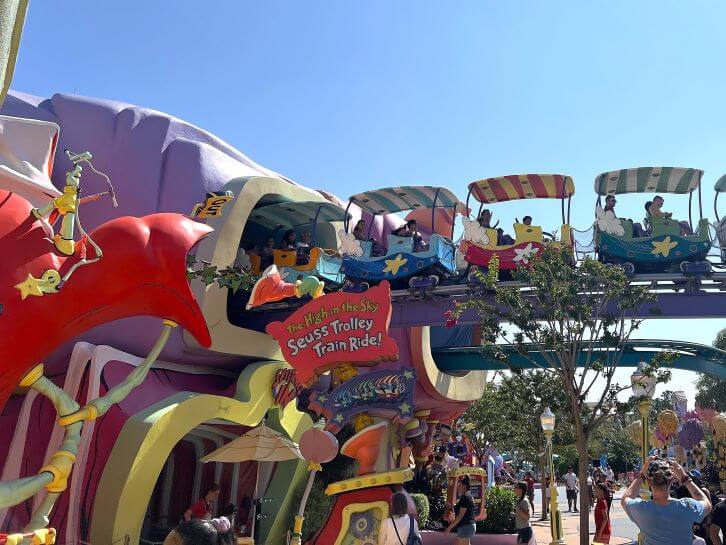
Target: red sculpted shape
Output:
[(337, 328), (142, 273)]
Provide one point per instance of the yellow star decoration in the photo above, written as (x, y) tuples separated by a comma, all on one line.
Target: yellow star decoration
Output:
[(392, 265), (663, 247), (48, 283), (30, 286)]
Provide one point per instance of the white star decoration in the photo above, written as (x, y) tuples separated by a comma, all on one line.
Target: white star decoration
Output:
[(525, 254), (608, 223), (349, 245)]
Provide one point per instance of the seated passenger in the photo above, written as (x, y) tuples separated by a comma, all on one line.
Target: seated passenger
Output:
[(503, 239), (303, 249), (485, 219), (359, 234), (610, 203), (267, 256), (527, 220), (288, 240), (409, 229), (655, 210)]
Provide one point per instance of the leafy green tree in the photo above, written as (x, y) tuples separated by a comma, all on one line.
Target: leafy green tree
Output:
[(573, 321), (622, 453), (507, 415), (710, 391)]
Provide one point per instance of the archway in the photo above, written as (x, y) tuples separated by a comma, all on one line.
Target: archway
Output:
[(148, 437)]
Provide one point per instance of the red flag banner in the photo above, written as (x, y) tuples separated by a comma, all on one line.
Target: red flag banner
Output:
[(337, 328)]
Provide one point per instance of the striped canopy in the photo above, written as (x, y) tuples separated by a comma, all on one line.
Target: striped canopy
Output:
[(397, 199), (648, 180), (721, 184), (292, 214), (522, 186)]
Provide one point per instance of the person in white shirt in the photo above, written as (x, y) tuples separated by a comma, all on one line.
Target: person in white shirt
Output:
[(396, 528), (609, 474), (571, 488), (450, 463)]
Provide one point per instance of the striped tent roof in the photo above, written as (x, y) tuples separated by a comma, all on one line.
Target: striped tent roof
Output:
[(522, 186), (648, 180), (397, 199), (721, 184), (291, 214)]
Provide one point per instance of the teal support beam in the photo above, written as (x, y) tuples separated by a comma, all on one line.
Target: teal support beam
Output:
[(690, 356)]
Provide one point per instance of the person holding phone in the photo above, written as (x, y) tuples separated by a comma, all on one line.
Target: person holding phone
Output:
[(663, 520)]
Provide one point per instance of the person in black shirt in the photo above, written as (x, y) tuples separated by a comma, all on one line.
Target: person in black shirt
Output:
[(463, 522), (717, 531)]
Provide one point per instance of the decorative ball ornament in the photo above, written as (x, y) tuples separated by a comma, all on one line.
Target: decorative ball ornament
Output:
[(633, 430), (318, 445), (719, 426), (691, 434), (668, 423)]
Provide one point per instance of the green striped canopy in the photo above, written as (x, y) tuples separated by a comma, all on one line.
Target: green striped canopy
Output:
[(292, 214), (721, 184), (397, 199), (648, 180)]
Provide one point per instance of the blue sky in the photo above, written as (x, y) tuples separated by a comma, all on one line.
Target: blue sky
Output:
[(348, 96)]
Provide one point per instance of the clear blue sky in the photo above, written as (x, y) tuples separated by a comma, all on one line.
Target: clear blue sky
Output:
[(348, 96)]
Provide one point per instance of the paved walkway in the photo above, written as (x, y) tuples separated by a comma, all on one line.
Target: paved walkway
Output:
[(623, 530)]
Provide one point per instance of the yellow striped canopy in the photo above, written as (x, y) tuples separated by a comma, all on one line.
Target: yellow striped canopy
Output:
[(522, 186)]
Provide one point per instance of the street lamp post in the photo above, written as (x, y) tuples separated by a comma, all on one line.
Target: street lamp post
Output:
[(547, 420), (643, 390)]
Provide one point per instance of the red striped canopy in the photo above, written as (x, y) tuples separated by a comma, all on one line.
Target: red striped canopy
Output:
[(522, 186)]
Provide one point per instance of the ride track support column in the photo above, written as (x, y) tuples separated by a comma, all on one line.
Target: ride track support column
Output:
[(555, 516)]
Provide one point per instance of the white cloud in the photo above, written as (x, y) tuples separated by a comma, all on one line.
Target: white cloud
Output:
[(349, 245), (608, 223), (474, 232)]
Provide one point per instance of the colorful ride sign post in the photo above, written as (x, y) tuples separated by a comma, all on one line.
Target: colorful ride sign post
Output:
[(340, 333)]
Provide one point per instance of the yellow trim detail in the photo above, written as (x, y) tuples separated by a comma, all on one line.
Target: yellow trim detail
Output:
[(315, 466), (397, 476), (60, 466), (352, 509), (32, 376), (147, 438), (170, 323), (460, 472), (87, 412)]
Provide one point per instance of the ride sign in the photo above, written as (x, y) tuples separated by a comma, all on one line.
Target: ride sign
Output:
[(337, 328)]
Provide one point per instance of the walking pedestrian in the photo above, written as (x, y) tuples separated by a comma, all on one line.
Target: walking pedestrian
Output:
[(602, 514), (463, 522), (522, 516), (664, 520), (530, 489), (396, 529), (571, 488)]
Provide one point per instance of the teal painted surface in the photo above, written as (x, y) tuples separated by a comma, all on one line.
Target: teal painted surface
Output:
[(640, 250), (691, 357)]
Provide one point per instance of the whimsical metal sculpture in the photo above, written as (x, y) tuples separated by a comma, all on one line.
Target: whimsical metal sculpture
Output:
[(142, 273)]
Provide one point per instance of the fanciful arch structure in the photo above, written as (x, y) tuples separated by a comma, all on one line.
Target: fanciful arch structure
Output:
[(148, 437), (690, 356)]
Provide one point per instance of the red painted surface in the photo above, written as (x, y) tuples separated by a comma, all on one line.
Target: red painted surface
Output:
[(336, 328), (143, 272), (329, 532), (479, 256)]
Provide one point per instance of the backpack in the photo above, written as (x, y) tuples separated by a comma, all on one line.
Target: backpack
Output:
[(413, 538)]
